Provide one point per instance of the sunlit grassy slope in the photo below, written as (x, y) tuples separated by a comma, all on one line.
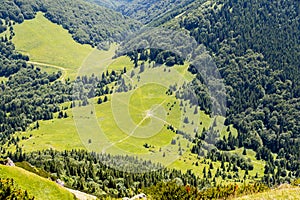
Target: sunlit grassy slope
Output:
[(40, 188), (59, 134), (48, 43), (120, 63), (129, 120), (282, 193)]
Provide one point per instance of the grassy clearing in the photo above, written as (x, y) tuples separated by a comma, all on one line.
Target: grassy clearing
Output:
[(97, 61), (141, 116), (47, 69), (49, 44), (189, 160), (183, 70), (138, 124), (59, 134), (143, 99), (40, 188), (121, 62)]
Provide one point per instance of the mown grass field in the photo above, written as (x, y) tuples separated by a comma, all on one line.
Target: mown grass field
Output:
[(48, 43), (97, 62), (40, 188), (130, 136), (135, 118)]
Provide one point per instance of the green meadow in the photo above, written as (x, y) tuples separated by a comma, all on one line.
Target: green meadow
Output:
[(134, 122), (59, 134), (120, 63), (52, 48), (257, 164), (33, 183)]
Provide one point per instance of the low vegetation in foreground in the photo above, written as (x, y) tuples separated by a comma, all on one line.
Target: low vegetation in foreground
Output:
[(24, 184)]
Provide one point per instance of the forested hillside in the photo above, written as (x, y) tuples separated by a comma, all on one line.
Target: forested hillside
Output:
[(256, 46), (88, 24), (90, 173), (146, 11)]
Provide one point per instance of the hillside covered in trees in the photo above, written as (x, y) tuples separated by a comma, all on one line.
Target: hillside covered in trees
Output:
[(145, 11), (255, 46)]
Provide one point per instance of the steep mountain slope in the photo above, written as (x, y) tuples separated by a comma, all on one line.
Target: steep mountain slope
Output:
[(35, 185), (256, 46), (88, 23), (32, 38), (143, 10)]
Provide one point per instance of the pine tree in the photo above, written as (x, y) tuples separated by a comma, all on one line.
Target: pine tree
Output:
[(99, 101), (37, 125), (105, 99)]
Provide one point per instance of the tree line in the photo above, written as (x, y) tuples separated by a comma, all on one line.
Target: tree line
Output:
[(91, 172)]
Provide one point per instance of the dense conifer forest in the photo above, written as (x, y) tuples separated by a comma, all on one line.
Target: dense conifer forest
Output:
[(255, 45)]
